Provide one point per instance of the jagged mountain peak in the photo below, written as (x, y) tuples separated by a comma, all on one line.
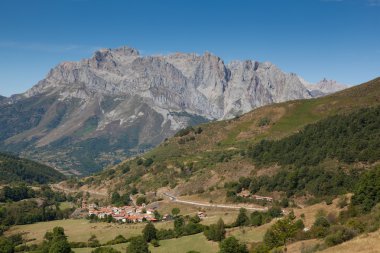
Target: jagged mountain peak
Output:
[(323, 87)]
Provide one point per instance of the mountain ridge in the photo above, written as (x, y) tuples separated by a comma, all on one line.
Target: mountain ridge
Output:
[(125, 104)]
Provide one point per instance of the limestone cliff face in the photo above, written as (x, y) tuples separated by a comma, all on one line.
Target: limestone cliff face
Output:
[(202, 85), (127, 103)]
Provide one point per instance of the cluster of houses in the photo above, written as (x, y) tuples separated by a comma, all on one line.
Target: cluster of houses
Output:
[(128, 214), (247, 194)]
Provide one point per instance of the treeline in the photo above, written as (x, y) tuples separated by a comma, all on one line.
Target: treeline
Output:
[(30, 211), (45, 206), (22, 191), (349, 138), (16, 169), (317, 181), (16, 193)]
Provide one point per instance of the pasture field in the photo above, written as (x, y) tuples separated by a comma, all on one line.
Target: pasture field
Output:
[(80, 230), (196, 242), (249, 234)]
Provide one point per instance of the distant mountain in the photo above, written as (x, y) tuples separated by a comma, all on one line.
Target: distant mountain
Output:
[(15, 169), (86, 115), (323, 87)]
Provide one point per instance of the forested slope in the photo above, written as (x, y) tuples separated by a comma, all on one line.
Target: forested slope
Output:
[(16, 169)]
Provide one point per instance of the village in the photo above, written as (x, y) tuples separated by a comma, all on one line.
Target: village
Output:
[(128, 214)]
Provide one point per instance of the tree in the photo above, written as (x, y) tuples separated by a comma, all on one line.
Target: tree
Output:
[(60, 246), (6, 246), (175, 211), (149, 232), (216, 232), (179, 224), (56, 242), (256, 219), (115, 199), (138, 245), (232, 245), (195, 219), (157, 215), (242, 219), (280, 232)]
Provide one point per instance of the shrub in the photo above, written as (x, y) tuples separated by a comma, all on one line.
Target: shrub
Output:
[(93, 242), (184, 132), (263, 122), (148, 162), (141, 200), (118, 239), (275, 211), (6, 246), (232, 245), (155, 243), (242, 219), (339, 234), (139, 161)]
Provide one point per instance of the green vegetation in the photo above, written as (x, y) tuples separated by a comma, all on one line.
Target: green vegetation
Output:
[(317, 181), (16, 193), (16, 169), (242, 219), (6, 245), (216, 232), (232, 245), (367, 192), (55, 242), (150, 232), (138, 245), (348, 138), (28, 211)]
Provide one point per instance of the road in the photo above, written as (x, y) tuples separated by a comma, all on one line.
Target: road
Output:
[(175, 199)]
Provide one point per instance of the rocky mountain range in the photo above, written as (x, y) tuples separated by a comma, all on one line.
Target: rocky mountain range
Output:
[(85, 115)]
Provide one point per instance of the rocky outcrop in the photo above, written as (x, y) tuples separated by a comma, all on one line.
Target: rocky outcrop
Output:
[(124, 103)]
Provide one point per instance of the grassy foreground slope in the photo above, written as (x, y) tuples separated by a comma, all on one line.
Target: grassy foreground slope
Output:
[(198, 159), (16, 169)]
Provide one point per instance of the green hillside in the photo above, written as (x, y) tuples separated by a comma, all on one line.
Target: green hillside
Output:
[(16, 169), (201, 159)]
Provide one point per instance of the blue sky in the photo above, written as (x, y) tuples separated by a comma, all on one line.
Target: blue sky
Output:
[(337, 39)]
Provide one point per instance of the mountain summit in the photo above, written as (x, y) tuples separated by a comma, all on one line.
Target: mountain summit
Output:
[(118, 103), (323, 87)]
